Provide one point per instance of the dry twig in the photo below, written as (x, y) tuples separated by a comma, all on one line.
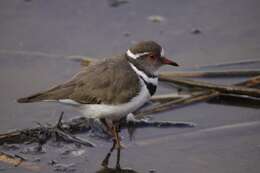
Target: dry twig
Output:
[(239, 90), (16, 160), (225, 73)]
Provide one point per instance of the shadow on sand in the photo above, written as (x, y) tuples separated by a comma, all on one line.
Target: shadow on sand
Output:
[(114, 170)]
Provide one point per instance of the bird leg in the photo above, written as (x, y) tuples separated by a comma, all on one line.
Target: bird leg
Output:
[(116, 129), (109, 126), (106, 160)]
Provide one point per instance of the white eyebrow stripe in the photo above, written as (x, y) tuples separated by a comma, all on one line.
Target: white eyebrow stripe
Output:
[(135, 56), (153, 80), (162, 52)]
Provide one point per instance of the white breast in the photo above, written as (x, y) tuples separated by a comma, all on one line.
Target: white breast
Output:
[(116, 111)]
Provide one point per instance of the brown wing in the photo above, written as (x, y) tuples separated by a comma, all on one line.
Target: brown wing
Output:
[(111, 81)]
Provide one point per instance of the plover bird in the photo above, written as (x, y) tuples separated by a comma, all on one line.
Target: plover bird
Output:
[(112, 88)]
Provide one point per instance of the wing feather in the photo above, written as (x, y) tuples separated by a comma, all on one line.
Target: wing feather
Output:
[(110, 81)]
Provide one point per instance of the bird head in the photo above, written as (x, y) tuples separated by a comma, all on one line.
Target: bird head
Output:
[(149, 56)]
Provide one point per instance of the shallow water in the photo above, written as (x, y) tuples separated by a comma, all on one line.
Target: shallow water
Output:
[(38, 36)]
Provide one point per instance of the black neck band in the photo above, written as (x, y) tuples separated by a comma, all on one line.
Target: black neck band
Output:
[(151, 87)]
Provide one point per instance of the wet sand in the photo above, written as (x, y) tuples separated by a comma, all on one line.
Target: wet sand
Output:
[(37, 37)]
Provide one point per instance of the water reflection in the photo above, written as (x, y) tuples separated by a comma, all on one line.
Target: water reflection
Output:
[(114, 170)]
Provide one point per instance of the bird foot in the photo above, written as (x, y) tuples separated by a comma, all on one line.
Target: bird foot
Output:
[(105, 162), (118, 167)]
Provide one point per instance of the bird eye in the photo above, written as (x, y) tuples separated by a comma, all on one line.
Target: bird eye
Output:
[(152, 56)]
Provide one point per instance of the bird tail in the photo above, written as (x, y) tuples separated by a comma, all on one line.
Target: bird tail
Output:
[(54, 93)]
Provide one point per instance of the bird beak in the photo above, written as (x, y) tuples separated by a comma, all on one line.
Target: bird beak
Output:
[(168, 62)]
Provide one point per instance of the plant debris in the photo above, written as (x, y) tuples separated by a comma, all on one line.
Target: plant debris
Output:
[(116, 3), (156, 19), (16, 160), (61, 167), (196, 31)]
